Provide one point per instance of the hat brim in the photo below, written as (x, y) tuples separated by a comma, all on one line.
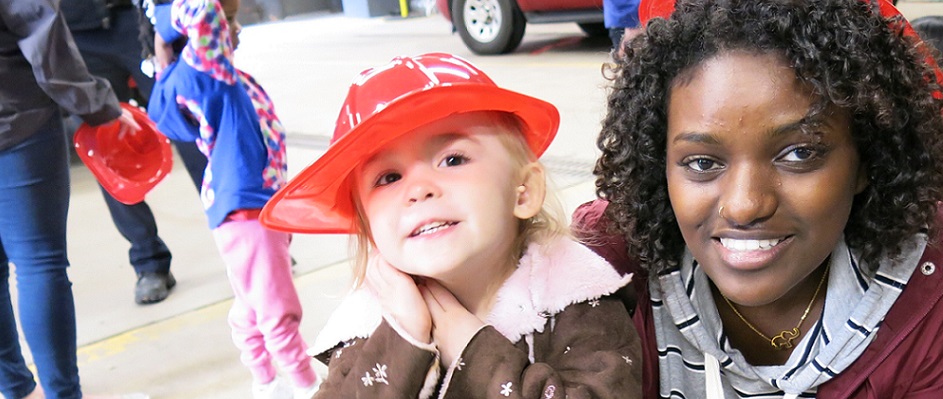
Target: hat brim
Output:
[(318, 199)]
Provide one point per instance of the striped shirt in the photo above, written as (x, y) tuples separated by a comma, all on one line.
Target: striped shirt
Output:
[(687, 326)]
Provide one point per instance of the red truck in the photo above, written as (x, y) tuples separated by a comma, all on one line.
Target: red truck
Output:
[(497, 26)]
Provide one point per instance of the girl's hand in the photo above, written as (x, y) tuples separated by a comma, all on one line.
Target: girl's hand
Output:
[(453, 326), (399, 295)]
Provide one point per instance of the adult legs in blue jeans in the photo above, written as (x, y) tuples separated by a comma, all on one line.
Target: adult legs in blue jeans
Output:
[(34, 202)]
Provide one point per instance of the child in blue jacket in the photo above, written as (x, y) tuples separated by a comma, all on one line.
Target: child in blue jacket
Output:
[(202, 97)]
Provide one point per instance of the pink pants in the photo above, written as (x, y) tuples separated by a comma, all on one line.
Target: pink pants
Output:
[(266, 312)]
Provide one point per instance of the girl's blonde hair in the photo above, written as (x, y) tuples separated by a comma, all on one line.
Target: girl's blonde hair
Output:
[(549, 224)]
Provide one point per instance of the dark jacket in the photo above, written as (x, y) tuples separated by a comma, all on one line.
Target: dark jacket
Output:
[(41, 69), (554, 333), (904, 360), (82, 15)]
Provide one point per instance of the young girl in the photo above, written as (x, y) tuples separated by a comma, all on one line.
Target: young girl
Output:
[(203, 97), (435, 169), (789, 234)]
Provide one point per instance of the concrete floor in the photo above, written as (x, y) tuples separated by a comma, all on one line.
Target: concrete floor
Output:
[(180, 348)]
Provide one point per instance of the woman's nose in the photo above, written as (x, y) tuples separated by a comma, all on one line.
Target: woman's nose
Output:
[(749, 196)]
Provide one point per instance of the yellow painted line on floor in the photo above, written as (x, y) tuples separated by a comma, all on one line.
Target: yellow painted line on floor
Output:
[(213, 314), (148, 334)]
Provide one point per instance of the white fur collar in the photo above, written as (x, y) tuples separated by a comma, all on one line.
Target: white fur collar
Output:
[(548, 279)]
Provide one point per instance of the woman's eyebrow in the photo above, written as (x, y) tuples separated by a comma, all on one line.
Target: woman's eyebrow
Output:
[(797, 125), (696, 137)]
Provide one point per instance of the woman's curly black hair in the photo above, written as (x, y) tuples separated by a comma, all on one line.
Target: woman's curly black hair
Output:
[(850, 56)]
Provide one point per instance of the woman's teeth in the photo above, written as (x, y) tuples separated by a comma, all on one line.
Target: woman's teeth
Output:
[(748, 245)]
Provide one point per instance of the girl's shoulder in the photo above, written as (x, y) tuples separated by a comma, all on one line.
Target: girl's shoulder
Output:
[(549, 278), (357, 316)]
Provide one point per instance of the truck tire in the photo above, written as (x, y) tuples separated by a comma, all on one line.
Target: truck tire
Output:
[(489, 27)]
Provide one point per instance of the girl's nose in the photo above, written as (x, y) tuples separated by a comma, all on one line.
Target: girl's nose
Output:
[(749, 197), (420, 194), (421, 188)]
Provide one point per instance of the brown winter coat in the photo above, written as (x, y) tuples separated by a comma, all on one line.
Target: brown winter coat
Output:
[(554, 333)]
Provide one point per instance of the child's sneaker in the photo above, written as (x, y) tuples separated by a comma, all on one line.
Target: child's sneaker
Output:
[(308, 393), (276, 389)]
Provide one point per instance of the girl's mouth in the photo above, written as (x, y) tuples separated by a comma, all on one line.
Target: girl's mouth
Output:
[(431, 228)]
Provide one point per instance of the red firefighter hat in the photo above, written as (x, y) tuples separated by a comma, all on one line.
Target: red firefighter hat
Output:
[(382, 105), (127, 165)]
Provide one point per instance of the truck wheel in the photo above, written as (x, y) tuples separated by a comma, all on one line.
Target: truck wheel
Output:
[(489, 26)]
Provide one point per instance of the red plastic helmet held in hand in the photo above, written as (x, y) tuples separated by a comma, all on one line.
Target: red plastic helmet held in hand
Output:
[(127, 165)]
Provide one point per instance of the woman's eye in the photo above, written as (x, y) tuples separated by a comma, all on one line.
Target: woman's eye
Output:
[(387, 178), (702, 164), (453, 160), (800, 154)]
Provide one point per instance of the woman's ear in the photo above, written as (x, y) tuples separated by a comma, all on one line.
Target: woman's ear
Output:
[(863, 180), (531, 192)]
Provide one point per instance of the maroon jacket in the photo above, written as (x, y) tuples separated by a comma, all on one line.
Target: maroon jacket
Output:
[(905, 360)]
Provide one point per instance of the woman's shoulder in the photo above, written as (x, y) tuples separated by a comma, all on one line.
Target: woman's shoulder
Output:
[(593, 228), (906, 352)]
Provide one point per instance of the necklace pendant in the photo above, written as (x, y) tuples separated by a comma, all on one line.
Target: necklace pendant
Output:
[(784, 340)]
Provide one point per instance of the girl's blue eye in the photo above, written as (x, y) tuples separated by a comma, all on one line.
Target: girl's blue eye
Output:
[(388, 178)]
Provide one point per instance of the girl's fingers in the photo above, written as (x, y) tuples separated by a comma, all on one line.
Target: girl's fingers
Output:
[(435, 309), (440, 301), (384, 276), (443, 297)]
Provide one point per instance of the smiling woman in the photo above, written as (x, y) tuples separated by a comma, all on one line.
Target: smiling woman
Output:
[(798, 154)]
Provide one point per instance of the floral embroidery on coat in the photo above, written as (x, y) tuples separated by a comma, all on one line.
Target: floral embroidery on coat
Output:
[(379, 376), (506, 389)]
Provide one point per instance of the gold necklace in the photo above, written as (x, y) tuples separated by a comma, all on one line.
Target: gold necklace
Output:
[(784, 339)]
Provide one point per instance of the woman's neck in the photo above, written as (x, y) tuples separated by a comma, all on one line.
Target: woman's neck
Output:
[(782, 315)]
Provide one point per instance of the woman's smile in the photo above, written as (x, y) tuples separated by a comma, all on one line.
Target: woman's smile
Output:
[(748, 245), (750, 254)]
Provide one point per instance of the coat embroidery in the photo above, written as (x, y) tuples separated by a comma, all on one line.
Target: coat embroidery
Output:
[(548, 393), (506, 389), (379, 373), (594, 302), (627, 359), (459, 364), (378, 377)]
